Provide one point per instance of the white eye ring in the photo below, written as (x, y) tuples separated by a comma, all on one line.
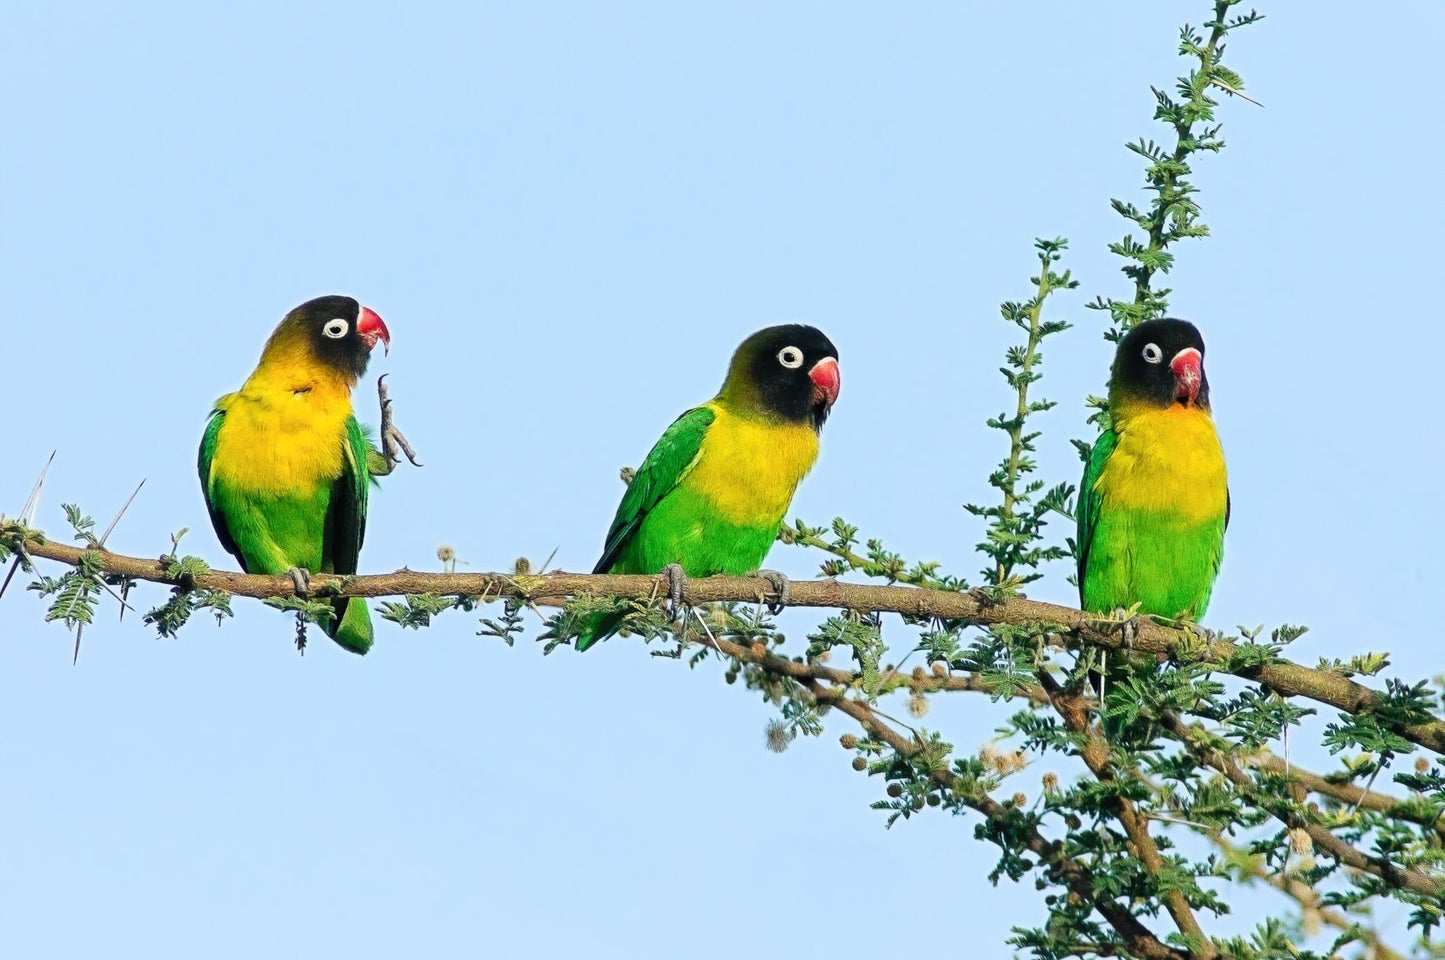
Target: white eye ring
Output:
[(336, 329), (1152, 353), (790, 357)]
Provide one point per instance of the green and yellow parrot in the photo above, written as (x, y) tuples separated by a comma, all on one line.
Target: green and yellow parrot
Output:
[(284, 466), (712, 493), (1154, 502)]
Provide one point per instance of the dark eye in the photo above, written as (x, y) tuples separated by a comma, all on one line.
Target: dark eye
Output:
[(1152, 353), (336, 329), (790, 357)]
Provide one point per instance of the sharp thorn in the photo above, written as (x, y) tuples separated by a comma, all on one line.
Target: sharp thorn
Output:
[(9, 576), (118, 598), (124, 507), (75, 658), (27, 515)]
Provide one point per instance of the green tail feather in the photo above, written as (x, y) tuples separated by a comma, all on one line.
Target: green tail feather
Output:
[(351, 627), (599, 626)]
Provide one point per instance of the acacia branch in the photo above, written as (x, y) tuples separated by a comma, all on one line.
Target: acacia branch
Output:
[(1352, 795), (1140, 940), (1095, 753), (973, 608), (1308, 898), (1197, 741)]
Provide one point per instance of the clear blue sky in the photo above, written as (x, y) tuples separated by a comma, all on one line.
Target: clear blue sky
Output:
[(568, 216)]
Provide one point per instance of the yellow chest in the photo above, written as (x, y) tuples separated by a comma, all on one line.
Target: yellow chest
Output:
[(1167, 462), (749, 469), (283, 438)]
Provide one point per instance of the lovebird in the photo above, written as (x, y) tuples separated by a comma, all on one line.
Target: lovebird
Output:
[(285, 468), (1154, 501), (711, 494)]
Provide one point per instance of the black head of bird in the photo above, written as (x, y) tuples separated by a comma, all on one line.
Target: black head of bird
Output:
[(338, 331), (1161, 362), (789, 372)]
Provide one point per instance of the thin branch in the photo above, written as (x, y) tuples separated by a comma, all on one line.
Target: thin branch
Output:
[(1352, 795), (1197, 741), (1140, 940), (1306, 896), (1095, 753), (1283, 676)]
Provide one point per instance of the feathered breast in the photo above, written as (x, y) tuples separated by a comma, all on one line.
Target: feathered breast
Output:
[(1167, 462), (749, 468), (283, 431)]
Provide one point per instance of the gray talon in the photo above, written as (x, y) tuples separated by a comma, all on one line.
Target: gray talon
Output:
[(391, 437), (1131, 629), (676, 580), (301, 580), (782, 590)]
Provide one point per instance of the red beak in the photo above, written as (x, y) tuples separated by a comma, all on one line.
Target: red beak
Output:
[(827, 381), (1188, 367), (372, 329)]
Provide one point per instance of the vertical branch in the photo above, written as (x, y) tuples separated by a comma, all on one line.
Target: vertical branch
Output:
[(1173, 213), (1016, 524)]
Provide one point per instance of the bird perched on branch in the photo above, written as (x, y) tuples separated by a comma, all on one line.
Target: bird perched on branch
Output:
[(1154, 502), (711, 494), (286, 469)]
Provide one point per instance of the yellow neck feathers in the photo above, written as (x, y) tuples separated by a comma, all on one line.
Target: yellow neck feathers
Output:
[(285, 428), (749, 467), (1168, 461)]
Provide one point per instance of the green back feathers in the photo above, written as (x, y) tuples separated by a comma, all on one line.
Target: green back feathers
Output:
[(666, 464), (1091, 500)]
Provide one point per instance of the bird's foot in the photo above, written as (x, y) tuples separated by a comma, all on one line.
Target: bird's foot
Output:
[(676, 581), (391, 437), (1128, 626), (782, 589), (300, 580), (1203, 633)]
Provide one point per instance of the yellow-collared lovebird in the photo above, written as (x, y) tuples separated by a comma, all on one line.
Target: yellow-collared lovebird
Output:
[(712, 493), (285, 467), (1154, 502)]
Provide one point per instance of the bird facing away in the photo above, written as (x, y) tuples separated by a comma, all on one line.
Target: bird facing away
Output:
[(1154, 501), (285, 468), (711, 494)]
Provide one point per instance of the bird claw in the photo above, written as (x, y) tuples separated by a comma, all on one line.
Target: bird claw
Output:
[(1203, 633), (1128, 626), (676, 581), (300, 580), (782, 589), (392, 438)]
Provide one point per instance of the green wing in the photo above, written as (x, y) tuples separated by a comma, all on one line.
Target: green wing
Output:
[(1090, 501), (346, 512), (203, 466), (667, 463)]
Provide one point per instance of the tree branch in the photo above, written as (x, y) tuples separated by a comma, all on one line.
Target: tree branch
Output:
[(1307, 897), (1196, 739), (1095, 753), (1140, 940), (1283, 676)]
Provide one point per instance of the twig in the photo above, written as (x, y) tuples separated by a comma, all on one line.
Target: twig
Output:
[(1405, 878), (1140, 940), (1095, 753)]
